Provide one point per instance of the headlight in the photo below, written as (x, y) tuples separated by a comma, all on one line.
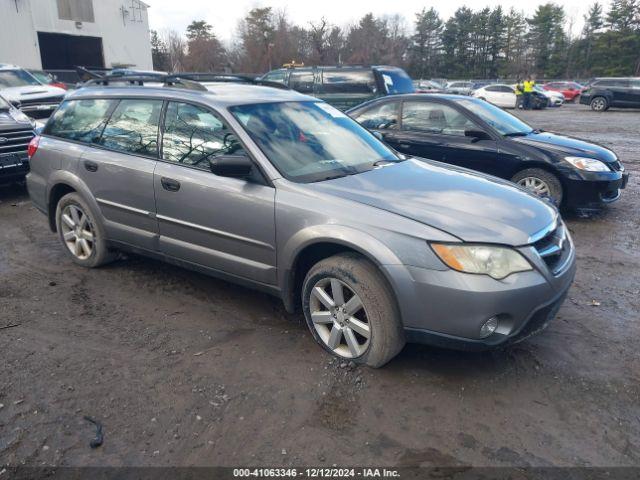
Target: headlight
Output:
[(588, 164), (497, 262)]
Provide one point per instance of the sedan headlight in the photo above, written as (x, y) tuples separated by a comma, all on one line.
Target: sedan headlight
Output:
[(497, 262), (588, 164)]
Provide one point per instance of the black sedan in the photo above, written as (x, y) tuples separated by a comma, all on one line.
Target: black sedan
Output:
[(472, 133)]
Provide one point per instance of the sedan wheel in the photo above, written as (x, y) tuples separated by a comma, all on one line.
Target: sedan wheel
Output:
[(77, 231), (535, 185), (339, 318)]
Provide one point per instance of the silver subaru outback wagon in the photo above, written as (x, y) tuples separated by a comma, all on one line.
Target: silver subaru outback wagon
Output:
[(282, 192)]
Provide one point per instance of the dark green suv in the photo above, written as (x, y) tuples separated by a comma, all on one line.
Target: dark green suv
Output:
[(344, 86)]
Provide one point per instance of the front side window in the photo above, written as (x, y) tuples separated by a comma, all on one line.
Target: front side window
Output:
[(311, 141), (133, 127), (502, 121), (380, 117), (193, 136), (431, 117), (345, 81), (302, 81), (80, 120)]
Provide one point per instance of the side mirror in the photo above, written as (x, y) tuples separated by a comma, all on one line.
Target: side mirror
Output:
[(477, 135), (235, 166), (16, 103), (378, 135)]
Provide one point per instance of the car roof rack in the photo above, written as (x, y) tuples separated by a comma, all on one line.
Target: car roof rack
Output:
[(173, 81), (232, 78)]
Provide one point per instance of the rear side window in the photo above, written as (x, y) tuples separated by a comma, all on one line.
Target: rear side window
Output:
[(611, 83), (80, 120), (133, 127), (380, 117), (302, 81), (344, 81), (434, 118), (193, 135)]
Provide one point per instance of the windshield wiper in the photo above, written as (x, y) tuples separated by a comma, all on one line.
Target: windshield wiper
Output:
[(518, 134)]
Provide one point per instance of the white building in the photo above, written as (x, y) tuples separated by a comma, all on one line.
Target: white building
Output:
[(63, 34)]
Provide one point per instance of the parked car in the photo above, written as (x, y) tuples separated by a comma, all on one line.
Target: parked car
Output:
[(26, 93), (505, 96), (470, 133), (282, 192), (16, 131), (47, 79), (344, 86), (570, 90), (427, 86), (460, 88), (554, 99), (603, 93)]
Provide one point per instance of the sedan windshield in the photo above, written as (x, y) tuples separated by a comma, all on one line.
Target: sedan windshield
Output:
[(503, 122), (311, 141), (16, 78)]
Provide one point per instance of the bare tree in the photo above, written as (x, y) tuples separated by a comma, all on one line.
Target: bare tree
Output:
[(176, 47)]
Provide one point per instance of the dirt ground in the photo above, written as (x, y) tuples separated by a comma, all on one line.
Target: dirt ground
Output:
[(183, 369)]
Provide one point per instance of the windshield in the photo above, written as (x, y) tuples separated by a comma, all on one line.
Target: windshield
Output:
[(311, 141), (16, 78), (503, 122), (397, 81)]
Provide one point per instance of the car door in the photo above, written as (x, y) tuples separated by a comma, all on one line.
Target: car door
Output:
[(635, 92), (621, 92), (436, 130), (118, 169), (226, 224)]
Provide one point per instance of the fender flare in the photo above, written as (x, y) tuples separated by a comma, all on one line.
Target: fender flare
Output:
[(64, 177), (349, 237)]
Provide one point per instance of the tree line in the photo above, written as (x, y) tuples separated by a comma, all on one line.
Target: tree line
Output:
[(485, 43)]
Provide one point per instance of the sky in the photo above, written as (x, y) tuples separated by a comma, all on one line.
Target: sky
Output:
[(224, 14)]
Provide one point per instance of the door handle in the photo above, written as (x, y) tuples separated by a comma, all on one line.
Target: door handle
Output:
[(170, 184), (90, 166)]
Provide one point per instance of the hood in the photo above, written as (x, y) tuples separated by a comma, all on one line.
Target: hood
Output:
[(471, 206), (567, 146), (32, 92)]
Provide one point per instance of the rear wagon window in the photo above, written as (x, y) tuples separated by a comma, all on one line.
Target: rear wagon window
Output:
[(80, 120)]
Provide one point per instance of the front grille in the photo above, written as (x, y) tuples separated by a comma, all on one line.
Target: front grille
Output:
[(55, 100), (616, 166), (15, 141), (554, 248)]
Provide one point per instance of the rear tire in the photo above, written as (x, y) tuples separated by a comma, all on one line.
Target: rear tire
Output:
[(599, 104), (81, 233), (375, 326), (541, 183)]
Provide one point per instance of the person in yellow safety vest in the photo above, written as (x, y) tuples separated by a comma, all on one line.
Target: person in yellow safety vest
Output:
[(518, 90), (527, 88)]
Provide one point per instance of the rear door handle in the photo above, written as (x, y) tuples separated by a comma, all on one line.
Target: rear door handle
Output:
[(90, 166), (170, 184)]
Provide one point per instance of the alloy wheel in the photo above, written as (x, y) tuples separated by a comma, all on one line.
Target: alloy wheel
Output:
[(339, 318), (598, 104), (77, 231), (535, 185)]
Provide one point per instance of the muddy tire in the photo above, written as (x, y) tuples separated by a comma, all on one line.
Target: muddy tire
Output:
[(541, 183), (351, 310), (81, 233)]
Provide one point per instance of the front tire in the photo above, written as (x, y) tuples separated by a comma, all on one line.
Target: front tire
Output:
[(351, 310), (81, 233), (541, 183), (599, 104)]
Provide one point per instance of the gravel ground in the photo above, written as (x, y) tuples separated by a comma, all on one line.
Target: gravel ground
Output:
[(183, 369)]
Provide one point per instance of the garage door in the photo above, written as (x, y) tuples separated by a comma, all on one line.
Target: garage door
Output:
[(64, 52)]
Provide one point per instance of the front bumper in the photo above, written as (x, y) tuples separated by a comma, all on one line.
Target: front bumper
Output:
[(13, 166), (594, 189), (448, 308)]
